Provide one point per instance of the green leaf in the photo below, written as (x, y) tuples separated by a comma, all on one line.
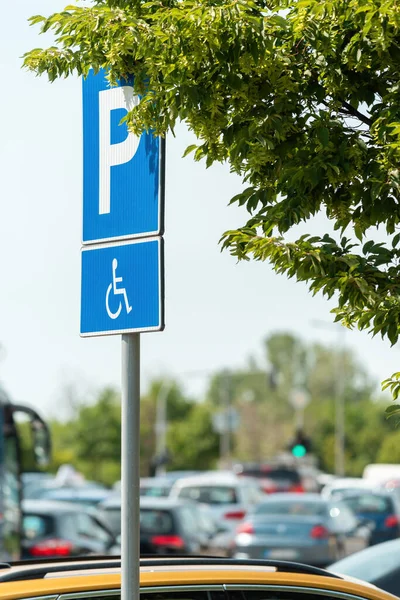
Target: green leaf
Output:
[(323, 135)]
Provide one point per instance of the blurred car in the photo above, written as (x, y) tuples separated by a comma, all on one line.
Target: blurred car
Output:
[(109, 510), (86, 495), (42, 487), (376, 474), (342, 485), (324, 479), (303, 528), (379, 507), (168, 526), (228, 496), (379, 565), (273, 478), (175, 475), (53, 529), (164, 481), (181, 578), (155, 486)]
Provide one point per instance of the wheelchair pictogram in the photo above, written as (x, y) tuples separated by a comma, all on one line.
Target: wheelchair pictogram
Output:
[(117, 291)]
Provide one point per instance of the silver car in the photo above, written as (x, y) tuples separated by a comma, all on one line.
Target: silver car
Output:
[(228, 496), (300, 527)]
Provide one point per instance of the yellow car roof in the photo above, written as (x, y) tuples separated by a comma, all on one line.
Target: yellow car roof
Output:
[(53, 578)]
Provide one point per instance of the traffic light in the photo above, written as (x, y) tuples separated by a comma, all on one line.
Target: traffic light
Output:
[(300, 446), (298, 450)]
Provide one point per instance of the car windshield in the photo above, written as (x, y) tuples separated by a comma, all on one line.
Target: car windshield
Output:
[(156, 521), (275, 474), (368, 503), (155, 491), (340, 491), (372, 563), (36, 526), (293, 507), (112, 517), (209, 494)]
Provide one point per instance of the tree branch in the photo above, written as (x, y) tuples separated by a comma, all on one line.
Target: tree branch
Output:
[(348, 109)]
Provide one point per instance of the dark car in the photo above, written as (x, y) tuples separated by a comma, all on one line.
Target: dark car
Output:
[(379, 565), (55, 529), (273, 478), (380, 508), (168, 526), (300, 527)]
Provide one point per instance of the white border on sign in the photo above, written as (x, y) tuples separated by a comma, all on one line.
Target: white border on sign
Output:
[(161, 326)]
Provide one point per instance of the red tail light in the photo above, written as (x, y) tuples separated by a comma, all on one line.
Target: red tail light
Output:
[(296, 488), (235, 514), (171, 541), (319, 532), (53, 547), (245, 528), (391, 521)]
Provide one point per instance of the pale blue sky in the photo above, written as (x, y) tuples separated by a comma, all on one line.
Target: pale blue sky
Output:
[(217, 311)]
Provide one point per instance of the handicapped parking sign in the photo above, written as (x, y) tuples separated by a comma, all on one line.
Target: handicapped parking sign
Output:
[(122, 288)]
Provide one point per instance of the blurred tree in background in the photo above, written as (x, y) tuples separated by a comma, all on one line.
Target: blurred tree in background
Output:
[(260, 393)]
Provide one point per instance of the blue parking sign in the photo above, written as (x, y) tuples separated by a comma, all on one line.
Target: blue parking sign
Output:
[(122, 195), (122, 288)]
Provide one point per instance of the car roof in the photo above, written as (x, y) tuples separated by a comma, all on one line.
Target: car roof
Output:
[(103, 573), (77, 493), (163, 502), (294, 497), (350, 482), (52, 506), (220, 478), (162, 481), (370, 492)]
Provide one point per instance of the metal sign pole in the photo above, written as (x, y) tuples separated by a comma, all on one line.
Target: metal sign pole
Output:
[(130, 467)]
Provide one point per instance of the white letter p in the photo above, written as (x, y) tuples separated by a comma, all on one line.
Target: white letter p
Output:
[(113, 154)]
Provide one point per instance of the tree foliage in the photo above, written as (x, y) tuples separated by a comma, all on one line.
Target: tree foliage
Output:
[(301, 97), (90, 439), (268, 420)]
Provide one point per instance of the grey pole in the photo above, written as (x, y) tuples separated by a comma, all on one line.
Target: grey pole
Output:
[(130, 466)]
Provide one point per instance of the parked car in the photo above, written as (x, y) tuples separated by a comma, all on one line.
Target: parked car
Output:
[(183, 578), (55, 529), (109, 510), (272, 478), (166, 480), (168, 526), (376, 474), (342, 485), (155, 486), (379, 565), (89, 496), (303, 528), (172, 526), (228, 496), (379, 507)]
